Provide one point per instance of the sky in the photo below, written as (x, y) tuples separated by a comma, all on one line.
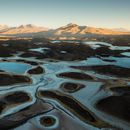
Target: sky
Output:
[(55, 13)]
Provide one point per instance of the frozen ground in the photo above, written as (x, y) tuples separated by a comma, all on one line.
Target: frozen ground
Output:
[(69, 86)]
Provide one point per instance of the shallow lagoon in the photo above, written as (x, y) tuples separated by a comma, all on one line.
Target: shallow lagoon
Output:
[(14, 67)]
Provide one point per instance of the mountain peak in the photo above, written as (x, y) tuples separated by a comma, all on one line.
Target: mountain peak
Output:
[(71, 24), (68, 26), (3, 26), (30, 25), (24, 29), (27, 26)]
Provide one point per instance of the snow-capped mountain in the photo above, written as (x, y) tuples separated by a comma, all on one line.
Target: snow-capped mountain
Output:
[(3, 27), (69, 31), (23, 29), (76, 29)]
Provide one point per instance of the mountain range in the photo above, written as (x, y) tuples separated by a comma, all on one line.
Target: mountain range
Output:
[(70, 31)]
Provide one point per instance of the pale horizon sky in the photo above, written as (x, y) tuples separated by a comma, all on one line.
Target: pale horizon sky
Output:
[(56, 13)]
